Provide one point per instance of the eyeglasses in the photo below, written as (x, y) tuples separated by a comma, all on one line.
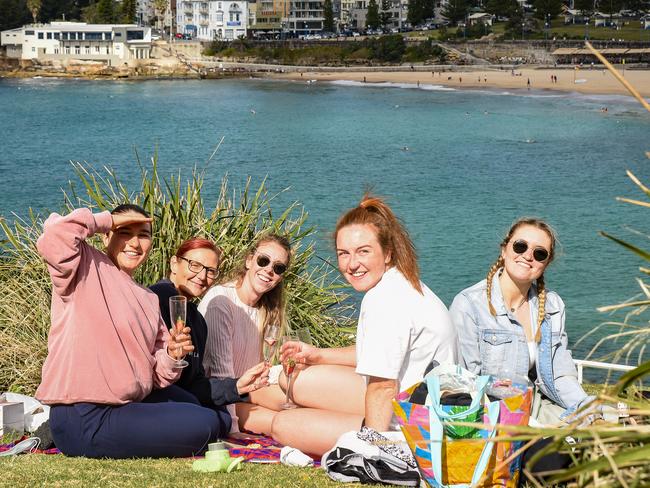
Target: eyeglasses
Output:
[(263, 261), (539, 253), (196, 267)]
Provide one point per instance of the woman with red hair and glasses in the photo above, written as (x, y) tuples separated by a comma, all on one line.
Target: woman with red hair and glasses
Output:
[(193, 270), (238, 312)]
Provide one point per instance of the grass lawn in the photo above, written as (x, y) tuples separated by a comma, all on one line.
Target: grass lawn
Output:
[(57, 470)]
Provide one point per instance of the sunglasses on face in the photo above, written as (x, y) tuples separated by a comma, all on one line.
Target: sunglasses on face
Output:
[(196, 267), (539, 253), (263, 261)]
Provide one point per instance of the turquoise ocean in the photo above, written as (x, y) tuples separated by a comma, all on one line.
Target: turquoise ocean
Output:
[(457, 166)]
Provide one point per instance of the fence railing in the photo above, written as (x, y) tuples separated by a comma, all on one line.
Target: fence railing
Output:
[(582, 364)]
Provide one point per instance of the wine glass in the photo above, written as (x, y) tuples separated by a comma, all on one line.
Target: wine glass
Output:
[(270, 342), (289, 365), (178, 315)]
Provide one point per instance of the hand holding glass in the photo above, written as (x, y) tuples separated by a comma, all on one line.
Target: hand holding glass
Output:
[(178, 315), (289, 364)]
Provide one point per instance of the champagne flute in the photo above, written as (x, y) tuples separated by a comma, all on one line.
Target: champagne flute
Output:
[(178, 315), (270, 342), (289, 365)]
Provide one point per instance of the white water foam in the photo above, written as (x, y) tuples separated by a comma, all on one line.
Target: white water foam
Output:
[(387, 84)]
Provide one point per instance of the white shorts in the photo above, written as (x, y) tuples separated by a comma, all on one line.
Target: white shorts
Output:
[(274, 374)]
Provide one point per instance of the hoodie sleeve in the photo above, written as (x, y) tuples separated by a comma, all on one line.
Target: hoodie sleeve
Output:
[(63, 244)]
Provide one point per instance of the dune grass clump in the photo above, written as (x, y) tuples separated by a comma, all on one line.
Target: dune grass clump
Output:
[(314, 297)]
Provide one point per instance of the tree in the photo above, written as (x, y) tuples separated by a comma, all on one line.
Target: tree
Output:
[(14, 14), (59, 9), (415, 14), (585, 6), (547, 9), (160, 7), (456, 10), (105, 11), (372, 17), (328, 14), (34, 7), (385, 14), (128, 11), (501, 8)]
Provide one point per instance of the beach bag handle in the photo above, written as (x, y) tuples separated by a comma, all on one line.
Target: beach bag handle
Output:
[(437, 433)]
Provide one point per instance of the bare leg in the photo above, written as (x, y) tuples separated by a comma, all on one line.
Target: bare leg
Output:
[(311, 430), (329, 387), (257, 415)]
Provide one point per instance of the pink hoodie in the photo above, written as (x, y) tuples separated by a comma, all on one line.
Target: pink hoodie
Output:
[(107, 343)]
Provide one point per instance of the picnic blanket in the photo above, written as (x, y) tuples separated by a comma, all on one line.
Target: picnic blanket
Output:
[(9, 446), (257, 449)]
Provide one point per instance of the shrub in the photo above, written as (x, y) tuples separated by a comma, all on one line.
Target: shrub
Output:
[(314, 296)]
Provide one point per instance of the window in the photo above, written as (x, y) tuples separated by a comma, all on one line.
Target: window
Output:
[(64, 36), (77, 49), (87, 49), (219, 16), (134, 35), (107, 36), (93, 36), (108, 50), (67, 50), (118, 34), (80, 36), (57, 35), (97, 49), (40, 35), (56, 50), (33, 49), (49, 35), (29, 32)]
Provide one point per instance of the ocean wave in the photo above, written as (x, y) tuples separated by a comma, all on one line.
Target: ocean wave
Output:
[(388, 84)]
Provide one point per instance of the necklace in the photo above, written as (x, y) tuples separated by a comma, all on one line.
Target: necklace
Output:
[(514, 309)]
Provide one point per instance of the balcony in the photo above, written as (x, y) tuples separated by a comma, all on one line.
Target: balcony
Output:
[(204, 11), (204, 21)]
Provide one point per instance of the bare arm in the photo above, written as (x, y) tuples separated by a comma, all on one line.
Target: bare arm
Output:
[(379, 408), (306, 354)]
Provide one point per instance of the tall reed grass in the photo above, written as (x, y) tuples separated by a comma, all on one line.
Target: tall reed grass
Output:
[(315, 298)]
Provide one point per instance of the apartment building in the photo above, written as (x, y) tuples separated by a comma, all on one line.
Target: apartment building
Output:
[(208, 20)]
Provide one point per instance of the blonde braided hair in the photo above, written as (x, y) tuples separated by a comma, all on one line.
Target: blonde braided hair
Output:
[(541, 288)]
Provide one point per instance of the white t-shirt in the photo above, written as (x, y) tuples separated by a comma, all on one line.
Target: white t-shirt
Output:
[(401, 331)]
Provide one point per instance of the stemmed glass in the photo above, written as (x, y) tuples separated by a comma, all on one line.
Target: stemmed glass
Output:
[(178, 315), (270, 342), (302, 335)]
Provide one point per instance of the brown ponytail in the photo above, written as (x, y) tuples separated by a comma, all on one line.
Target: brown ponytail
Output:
[(495, 267), (393, 237)]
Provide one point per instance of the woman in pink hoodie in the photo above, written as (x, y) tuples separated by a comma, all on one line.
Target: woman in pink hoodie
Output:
[(111, 362)]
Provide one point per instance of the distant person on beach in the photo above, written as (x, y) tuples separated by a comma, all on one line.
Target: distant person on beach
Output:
[(511, 324), (193, 269), (402, 327), (528, 84), (237, 313), (111, 361)]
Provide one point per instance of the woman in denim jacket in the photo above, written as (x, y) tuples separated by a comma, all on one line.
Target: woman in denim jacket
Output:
[(510, 323)]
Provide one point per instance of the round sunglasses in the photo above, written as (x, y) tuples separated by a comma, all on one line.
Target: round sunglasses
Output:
[(539, 253), (263, 261)]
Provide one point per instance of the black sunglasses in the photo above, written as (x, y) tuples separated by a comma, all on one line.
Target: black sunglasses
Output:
[(263, 261), (196, 267), (539, 253)]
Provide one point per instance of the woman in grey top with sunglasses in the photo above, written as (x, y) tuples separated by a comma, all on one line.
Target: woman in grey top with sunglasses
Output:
[(510, 323), (237, 313)]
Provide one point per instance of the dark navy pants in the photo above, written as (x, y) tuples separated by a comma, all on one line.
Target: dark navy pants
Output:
[(168, 423)]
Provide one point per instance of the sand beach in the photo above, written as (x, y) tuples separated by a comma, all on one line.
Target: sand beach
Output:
[(587, 80)]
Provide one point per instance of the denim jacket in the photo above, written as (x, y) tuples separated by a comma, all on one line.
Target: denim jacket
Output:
[(487, 343)]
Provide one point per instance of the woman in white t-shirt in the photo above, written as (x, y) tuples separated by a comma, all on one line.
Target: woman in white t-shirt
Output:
[(403, 326), (237, 314)]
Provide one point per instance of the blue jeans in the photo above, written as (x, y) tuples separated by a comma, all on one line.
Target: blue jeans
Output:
[(168, 423)]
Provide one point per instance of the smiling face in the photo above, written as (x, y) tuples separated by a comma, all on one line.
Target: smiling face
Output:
[(261, 279), (191, 283), (523, 268), (129, 246), (362, 261)]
